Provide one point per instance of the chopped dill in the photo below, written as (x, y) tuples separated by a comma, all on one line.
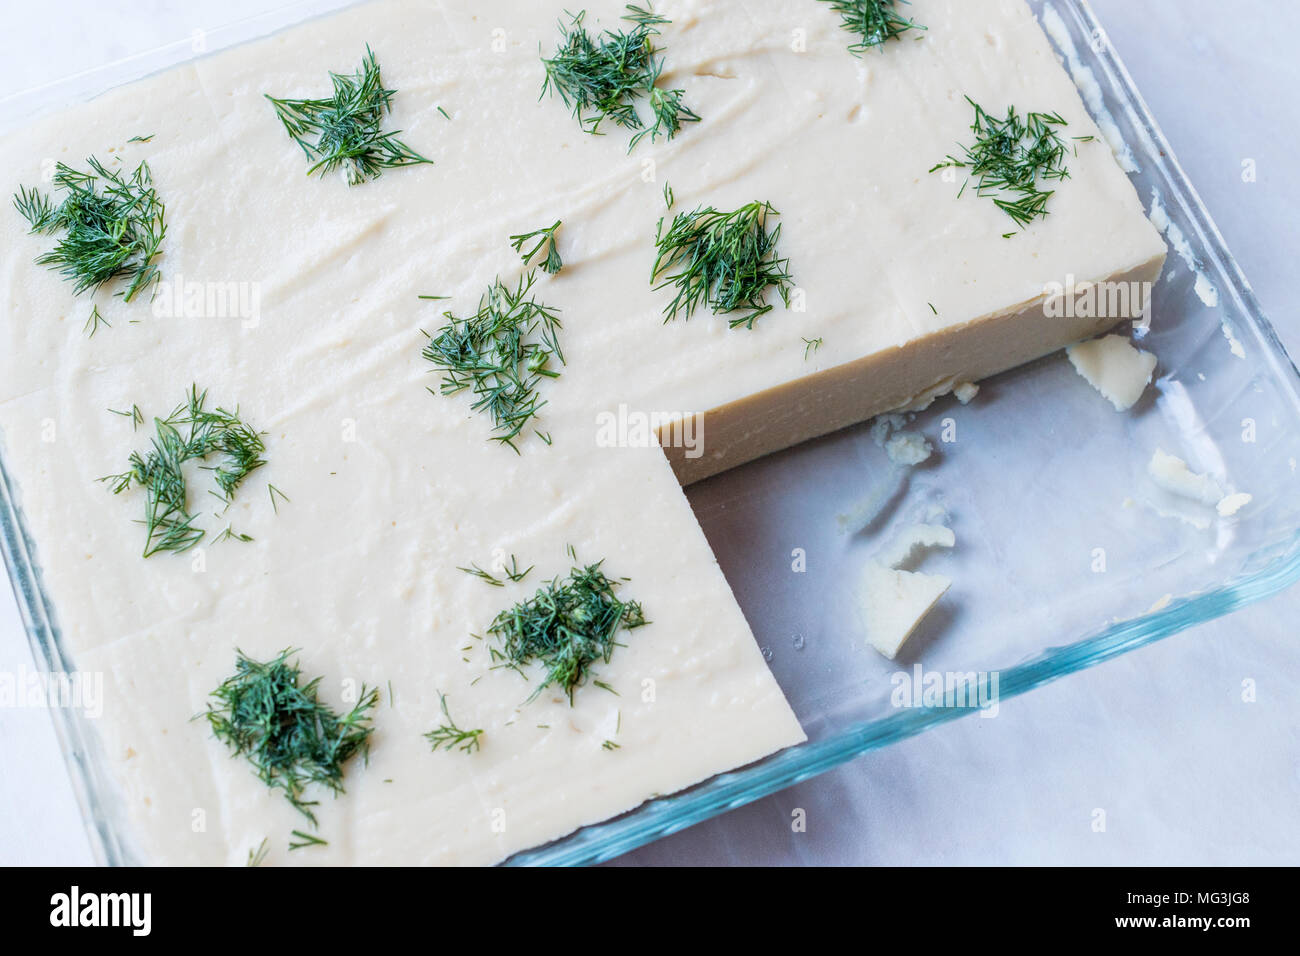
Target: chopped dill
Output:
[(257, 857), (191, 432), (94, 322), (113, 226), (610, 745), (932, 308), (512, 573), (875, 21), (291, 738), (448, 736), (670, 199), (569, 625), (344, 130), (501, 354), (1009, 159), (305, 839), (810, 346), (445, 114), (475, 571), (136, 416), (141, 139), (230, 534), (273, 491), (545, 239), (603, 77), (725, 260)]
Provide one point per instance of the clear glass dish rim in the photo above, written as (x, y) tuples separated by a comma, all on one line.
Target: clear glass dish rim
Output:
[(93, 785)]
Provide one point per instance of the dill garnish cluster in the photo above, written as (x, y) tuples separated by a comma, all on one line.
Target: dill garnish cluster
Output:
[(875, 21), (344, 130), (725, 260), (448, 735), (283, 729), (545, 240), (190, 432), (603, 77), (567, 626), (113, 226), (1011, 157), (501, 354)]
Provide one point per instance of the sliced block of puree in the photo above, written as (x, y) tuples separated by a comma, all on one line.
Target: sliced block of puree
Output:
[(910, 287)]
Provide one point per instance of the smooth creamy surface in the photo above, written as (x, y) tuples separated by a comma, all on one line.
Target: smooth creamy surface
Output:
[(393, 488)]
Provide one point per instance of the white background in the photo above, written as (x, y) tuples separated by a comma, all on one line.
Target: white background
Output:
[(1161, 740)]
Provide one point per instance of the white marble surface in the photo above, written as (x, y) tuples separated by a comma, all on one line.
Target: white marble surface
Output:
[(1161, 740)]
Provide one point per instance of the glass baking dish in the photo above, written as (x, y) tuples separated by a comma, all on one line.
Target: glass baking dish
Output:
[(1068, 555)]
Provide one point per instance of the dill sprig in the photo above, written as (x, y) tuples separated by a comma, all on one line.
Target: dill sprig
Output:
[(305, 840), (513, 573), (344, 130), (94, 322), (725, 260), (257, 856), (113, 226), (448, 736), (1010, 158), (568, 625), (810, 346), (501, 354), (136, 416), (603, 77), (190, 432), (293, 740), (875, 21), (272, 491), (485, 576), (545, 240)]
